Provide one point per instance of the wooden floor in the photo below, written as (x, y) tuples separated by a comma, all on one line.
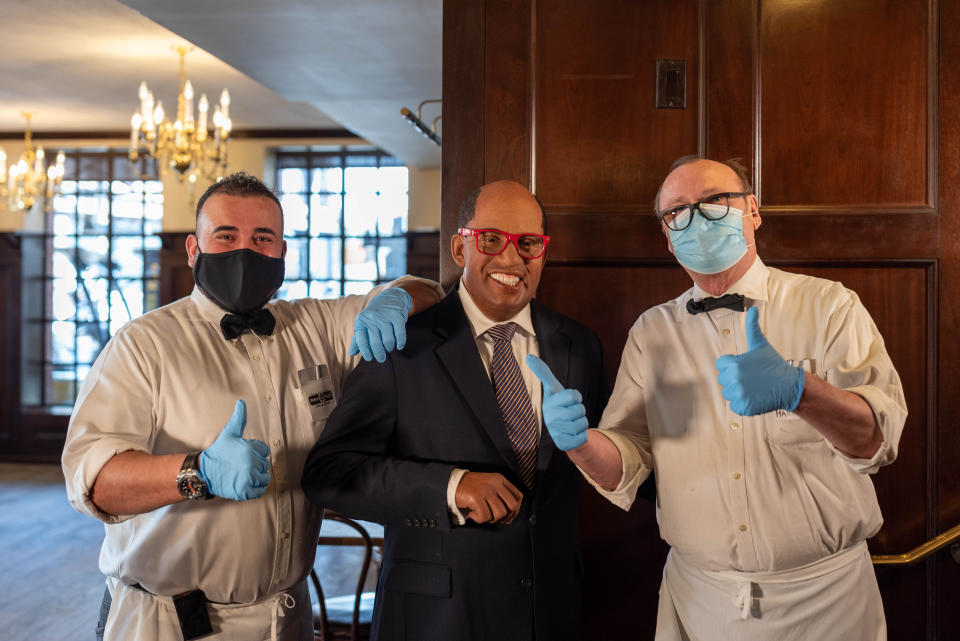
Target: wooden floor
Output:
[(50, 584), (49, 581)]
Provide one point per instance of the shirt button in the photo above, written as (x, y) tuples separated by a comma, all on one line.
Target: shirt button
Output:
[(743, 528), (276, 442), (736, 476), (734, 426), (526, 582), (285, 536), (267, 398), (256, 357), (726, 331)]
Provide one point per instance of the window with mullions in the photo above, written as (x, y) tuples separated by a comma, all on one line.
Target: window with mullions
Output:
[(345, 215), (96, 266)]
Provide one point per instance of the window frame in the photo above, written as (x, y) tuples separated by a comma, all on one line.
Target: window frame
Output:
[(38, 361), (343, 153)]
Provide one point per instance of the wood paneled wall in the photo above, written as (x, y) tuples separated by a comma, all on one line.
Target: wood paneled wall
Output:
[(9, 341), (176, 276), (845, 114)]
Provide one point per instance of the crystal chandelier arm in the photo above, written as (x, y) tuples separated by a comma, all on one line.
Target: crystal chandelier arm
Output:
[(184, 144)]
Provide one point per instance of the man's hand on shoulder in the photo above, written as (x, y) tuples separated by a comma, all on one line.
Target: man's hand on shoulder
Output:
[(485, 497), (382, 326)]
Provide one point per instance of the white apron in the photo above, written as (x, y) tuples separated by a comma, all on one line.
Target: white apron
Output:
[(831, 599), (136, 615)]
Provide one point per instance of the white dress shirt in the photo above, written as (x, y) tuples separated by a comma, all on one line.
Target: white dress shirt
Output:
[(524, 342), (758, 493), (167, 383)]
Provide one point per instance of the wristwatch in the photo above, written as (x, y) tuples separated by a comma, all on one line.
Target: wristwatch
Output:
[(189, 481)]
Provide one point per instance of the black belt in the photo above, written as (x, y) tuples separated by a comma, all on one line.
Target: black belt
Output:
[(137, 586)]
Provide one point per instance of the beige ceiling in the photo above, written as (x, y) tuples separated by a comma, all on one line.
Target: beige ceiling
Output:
[(289, 64)]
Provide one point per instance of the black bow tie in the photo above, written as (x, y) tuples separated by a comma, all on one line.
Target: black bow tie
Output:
[(733, 301), (260, 321)]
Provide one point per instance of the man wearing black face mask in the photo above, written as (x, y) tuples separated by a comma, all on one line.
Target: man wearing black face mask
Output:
[(219, 396)]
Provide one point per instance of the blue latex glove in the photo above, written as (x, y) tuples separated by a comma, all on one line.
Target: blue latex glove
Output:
[(234, 467), (563, 410), (382, 326), (759, 380)]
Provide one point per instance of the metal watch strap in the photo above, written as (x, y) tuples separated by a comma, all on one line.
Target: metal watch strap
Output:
[(189, 478)]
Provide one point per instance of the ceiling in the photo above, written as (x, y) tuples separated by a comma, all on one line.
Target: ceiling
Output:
[(288, 64)]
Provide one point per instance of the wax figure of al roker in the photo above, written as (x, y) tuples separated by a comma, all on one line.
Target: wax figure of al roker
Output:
[(763, 400), (443, 444), (189, 433)]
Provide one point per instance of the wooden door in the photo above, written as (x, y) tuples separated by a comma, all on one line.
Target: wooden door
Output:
[(847, 115)]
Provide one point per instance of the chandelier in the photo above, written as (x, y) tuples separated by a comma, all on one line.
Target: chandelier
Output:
[(28, 179), (185, 144)]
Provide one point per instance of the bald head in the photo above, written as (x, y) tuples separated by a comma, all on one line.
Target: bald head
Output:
[(701, 164), (499, 194)]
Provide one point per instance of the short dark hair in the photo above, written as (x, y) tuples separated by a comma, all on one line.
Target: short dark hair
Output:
[(736, 164), (238, 184), (468, 209)]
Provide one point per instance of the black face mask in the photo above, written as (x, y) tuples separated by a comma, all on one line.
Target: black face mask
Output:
[(240, 281)]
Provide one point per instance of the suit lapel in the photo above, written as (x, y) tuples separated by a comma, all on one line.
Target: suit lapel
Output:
[(459, 356), (554, 346)]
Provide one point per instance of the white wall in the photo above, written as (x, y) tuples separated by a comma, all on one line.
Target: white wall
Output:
[(424, 192)]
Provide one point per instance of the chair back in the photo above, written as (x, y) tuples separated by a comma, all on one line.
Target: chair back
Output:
[(326, 630)]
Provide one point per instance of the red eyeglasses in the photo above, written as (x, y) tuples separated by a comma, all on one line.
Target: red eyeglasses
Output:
[(492, 242)]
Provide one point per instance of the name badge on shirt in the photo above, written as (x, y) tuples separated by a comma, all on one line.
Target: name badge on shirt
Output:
[(317, 389), (807, 365)]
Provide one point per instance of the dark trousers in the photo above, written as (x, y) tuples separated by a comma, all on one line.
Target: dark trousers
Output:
[(104, 613)]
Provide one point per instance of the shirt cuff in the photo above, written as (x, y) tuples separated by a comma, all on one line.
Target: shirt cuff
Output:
[(865, 465), (407, 278), (455, 515), (82, 478), (634, 473), (887, 452)]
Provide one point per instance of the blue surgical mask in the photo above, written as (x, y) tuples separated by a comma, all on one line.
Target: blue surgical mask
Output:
[(710, 246)]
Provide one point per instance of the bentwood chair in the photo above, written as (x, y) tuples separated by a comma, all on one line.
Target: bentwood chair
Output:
[(348, 617)]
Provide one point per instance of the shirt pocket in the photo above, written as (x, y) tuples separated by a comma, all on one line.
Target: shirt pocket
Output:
[(316, 388)]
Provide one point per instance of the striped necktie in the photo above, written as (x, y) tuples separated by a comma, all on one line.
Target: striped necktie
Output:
[(514, 401)]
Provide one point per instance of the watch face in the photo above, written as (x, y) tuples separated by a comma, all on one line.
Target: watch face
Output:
[(190, 486)]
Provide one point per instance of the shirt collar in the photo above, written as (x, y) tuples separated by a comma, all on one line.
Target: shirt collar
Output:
[(753, 284), (207, 307), (479, 323), (213, 313)]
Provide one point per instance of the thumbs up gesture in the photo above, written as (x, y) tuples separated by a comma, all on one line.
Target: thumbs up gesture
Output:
[(759, 380), (234, 467), (563, 410)]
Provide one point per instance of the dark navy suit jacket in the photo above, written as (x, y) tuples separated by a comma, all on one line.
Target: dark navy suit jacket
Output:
[(386, 455)]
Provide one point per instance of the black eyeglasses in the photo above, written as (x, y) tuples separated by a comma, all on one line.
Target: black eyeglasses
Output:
[(492, 242), (678, 217)]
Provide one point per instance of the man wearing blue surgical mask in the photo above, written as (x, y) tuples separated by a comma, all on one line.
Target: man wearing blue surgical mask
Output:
[(764, 400), (190, 431)]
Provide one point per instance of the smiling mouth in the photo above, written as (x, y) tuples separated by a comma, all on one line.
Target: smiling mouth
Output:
[(506, 279)]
